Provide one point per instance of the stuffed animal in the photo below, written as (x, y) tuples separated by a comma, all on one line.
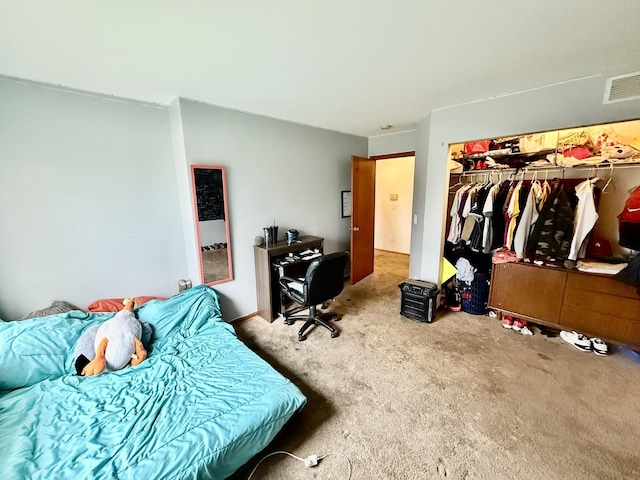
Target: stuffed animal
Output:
[(114, 344)]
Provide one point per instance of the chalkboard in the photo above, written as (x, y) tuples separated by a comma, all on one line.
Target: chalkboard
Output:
[(209, 193)]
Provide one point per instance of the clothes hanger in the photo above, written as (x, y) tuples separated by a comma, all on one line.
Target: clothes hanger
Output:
[(546, 185), (457, 184), (534, 177), (610, 180)]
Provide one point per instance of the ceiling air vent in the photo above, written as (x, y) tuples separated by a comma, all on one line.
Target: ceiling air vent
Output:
[(622, 88)]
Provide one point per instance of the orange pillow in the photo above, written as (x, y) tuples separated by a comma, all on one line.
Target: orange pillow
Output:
[(115, 304)]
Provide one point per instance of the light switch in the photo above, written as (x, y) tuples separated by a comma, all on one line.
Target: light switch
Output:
[(415, 219)]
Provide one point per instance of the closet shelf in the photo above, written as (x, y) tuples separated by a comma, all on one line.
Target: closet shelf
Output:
[(531, 169), (505, 154)]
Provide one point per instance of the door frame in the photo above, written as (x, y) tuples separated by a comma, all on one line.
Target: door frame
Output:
[(386, 156)]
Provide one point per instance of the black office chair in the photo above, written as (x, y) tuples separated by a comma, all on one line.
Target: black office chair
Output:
[(323, 281)]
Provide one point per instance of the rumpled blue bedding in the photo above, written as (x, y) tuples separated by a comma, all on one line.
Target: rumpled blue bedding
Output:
[(200, 406)]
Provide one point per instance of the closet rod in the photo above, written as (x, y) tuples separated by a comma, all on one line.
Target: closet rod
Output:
[(546, 169)]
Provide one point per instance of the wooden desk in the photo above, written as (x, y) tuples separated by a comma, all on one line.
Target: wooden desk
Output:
[(267, 275)]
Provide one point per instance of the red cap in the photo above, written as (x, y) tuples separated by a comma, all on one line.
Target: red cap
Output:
[(598, 247)]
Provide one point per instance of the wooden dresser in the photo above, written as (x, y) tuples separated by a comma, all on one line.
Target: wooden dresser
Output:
[(596, 305), (268, 272)]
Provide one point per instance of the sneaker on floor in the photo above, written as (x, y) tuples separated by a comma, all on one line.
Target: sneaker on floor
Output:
[(525, 331), (456, 307), (518, 324), (578, 340), (452, 299), (507, 322), (599, 347)]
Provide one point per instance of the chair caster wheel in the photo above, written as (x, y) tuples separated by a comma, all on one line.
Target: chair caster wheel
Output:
[(302, 338), (335, 334), (289, 322)]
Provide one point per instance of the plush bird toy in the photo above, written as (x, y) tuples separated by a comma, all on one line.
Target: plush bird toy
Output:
[(114, 344)]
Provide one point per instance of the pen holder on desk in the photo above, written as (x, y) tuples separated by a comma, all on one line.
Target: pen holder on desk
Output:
[(270, 235)]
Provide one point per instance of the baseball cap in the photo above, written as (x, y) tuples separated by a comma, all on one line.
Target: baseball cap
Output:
[(598, 247)]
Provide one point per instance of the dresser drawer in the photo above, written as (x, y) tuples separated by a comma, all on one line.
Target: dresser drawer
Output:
[(615, 307), (601, 283), (621, 330)]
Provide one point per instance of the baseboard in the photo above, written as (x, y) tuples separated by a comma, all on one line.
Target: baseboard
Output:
[(243, 318), (391, 251)]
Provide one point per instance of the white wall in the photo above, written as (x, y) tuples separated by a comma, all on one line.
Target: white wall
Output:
[(89, 205), (397, 142), (276, 171), (393, 217), (97, 200), (564, 105)]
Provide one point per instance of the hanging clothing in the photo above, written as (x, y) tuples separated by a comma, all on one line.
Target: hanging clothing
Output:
[(498, 222), (456, 222), (469, 219), (585, 218), (475, 240), (552, 234), (528, 219), (629, 222), (544, 194), (511, 215), (487, 212)]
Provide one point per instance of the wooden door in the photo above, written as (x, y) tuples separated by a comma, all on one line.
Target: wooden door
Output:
[(363, 186)]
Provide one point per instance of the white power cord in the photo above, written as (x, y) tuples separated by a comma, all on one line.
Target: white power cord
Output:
[(310, 461)]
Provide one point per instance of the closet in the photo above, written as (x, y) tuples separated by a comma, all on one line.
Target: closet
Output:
[(533, 279)]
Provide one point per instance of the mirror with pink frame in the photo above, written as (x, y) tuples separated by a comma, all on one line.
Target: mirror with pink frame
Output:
[(209, 187)]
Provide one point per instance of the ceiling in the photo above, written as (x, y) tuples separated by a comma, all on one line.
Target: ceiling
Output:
[(349, 66)]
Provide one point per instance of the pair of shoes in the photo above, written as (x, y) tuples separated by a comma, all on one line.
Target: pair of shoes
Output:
[(599, 347), (578, 340), (584, 343), (518, 324), (481, 165)]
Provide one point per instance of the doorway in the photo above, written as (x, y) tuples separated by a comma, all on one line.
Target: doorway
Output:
[(383, 225)]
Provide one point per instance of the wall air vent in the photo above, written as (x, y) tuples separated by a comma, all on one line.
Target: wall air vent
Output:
[(622, 88)]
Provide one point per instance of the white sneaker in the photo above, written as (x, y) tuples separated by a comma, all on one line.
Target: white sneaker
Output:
[(525, 331), (599, 347), (578, 340)]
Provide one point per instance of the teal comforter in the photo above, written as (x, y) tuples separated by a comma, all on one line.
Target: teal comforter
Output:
[(200, 406)]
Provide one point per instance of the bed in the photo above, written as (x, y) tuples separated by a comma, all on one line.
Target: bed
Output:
[(200, 406)]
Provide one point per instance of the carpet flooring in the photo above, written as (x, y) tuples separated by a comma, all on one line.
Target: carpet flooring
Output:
[(215, 264), (461, 398)]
